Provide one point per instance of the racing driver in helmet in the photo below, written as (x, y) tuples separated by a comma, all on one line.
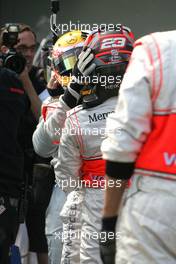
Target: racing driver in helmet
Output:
[(105, 56), (46, 137)]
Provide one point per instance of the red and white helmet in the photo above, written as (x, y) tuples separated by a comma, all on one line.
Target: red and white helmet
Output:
[(112, 49)]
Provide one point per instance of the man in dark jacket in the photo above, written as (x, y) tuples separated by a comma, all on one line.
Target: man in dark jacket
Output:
[(35, 86), (13, 105)]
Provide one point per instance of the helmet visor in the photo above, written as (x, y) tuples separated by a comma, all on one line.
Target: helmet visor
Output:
[(65, 62)]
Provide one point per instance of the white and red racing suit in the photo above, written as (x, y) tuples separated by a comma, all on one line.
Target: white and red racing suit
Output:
[(80, 165), (46, 142), (145, 114)]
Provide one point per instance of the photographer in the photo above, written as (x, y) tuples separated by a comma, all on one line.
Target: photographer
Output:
[(34, 85), (26, 35), (13, 105)]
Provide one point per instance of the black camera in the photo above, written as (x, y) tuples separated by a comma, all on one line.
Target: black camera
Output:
[(12, 59)]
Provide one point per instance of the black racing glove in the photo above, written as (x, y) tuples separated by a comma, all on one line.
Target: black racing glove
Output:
[(108, 245), (83, 67), (57, 91)]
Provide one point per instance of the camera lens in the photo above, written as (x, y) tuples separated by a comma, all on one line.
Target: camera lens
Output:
[(15, 62)]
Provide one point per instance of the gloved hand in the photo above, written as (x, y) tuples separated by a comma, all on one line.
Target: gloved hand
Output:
[(107, 246), (54, 88), (83, 67), (107, 250)]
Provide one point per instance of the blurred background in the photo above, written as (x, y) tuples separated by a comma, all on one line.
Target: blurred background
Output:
[(142, 16)]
